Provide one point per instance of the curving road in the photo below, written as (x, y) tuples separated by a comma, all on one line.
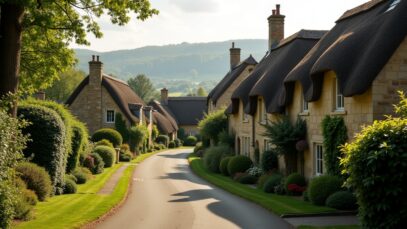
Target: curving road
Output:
[(167, 195)]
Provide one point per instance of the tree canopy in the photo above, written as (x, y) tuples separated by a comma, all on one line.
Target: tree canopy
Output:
[(143, 87), (63, 87)]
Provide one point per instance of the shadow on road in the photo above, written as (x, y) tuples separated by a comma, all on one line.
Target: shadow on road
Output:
[(175, 156)]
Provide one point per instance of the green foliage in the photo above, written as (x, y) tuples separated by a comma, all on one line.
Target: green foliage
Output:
[(213, 156), (66, 83), (104, 142), (25, 201), (376, 162), (138, 135), (272, 182), (163, 139), (284, 136), (70, 187), (223, 166), (98, 164), (171, 145), (320, 188), (201, 92), (109, 134), (47, 148), (212, 125), (342, 200), (198, 146), (335, 134), (269, 161), (79, 143), (107, 154), (120, 126), (36, 178), (81, 177), (177, 142), (401, 108), (226, 139), (295, 178), (181, 133), (154, 132), (239, 164), (125, 156), (143, 87), (190, 141), (247, 179), (262, 180)]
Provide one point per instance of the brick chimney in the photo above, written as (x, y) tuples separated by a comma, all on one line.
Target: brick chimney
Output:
[(234, 56), (95, 71), (276, 26), (164, 96)]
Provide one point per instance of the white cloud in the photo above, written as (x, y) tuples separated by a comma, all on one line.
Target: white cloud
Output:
[(196, 6)]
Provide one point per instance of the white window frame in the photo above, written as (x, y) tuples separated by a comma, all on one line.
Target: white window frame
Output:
[(319, 159), (112, 118), (245, 146), (267, 145), (262, 111), (305, 107), (339, 99), (245, 117)]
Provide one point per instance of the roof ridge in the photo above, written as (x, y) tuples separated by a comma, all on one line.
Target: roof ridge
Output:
[(359, 9), (115, 79), (302, 34)]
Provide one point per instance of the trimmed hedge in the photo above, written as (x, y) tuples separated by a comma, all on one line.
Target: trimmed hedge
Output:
[(107, 154), (125, 156), (109, 134), (171, 145), (223, 167), (199, 146), (47, 148), (239, 164), (320, 188), (190, 141), (81, 177), (247, 179), (272, 182), (70, 186), (178, 142), (342, 200), (104, 142), (98, 164), (163, 139), (294, 179), (269, 161), (36, 179), (80, 137), (263, 180)]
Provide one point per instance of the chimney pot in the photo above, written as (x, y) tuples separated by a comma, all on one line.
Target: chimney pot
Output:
[(164, 96), (93, 57), (233, 44), (97, 58), (278, 9), (274, 12)]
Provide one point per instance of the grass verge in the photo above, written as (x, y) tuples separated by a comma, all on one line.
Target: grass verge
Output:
[(85, 206), (278, 204)]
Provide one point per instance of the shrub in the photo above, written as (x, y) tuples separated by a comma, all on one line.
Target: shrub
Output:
[(305, 196), (320, 188), (247, 179), (162, 139), (104, 142), (262, 180), (335, 134), (126, 156), (294, 184), (272, 182), (124, 148), (71, 177), (212, 124), (223, 166), (99, 164), (89, 162), (121, 127), (279, 189), (171, 145), (255, 171), (109, 134), (239, 163), (107, 154), (190, 141), (70, 187), (178, 142), (376, 162), (47, 148), (80, 176), (138, 135), (25, 201), (213, 156), (269, 161), (342, 200), (36, 178), (79, 143), (226, 139), (198, 146)]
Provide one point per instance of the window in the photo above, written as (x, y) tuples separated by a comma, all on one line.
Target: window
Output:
[(267, 145), (319, 159), (110, 116), (304, 105), (262, 111), (246, 146), (245, 117), (339, 100)]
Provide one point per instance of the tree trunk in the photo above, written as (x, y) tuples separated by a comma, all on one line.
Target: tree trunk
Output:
[(10, 46)]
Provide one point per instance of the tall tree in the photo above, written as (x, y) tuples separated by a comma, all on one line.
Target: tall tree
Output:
[(143, 87), (36, 33), (62, 88)]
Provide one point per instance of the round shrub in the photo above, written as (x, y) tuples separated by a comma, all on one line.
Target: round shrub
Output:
[(198, 146), (238, 164), (80, 176), (171, 145), (190, 141), (262, 180), (98, 164), (107, 154), (89, 162), (295, 184), (212, 158), (104, 142), (36, 178), (178, 142), (272, 182), (163, 139), (248, 179), (71, 177), (223, 166), (47, 146), (320, 188), (29, 196), (109, 134), (342, 200), (70, 187), (269, 161), (125, 156), (124, 148), (79, 143)]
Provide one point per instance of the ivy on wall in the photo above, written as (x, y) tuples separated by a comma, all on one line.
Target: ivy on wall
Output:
[(335, 134)]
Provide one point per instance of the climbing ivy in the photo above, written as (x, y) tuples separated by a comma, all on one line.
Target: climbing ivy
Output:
[(335, 134)]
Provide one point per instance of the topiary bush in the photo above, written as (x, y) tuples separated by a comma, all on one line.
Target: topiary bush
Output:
[(36, 179), (213, 156), (171, 145), (247, 179), (163, 139), (109, 134), (190, 141), (321, 187), (81, 177), (295, 184), (70, 187), (272, 182), (125, 156), (262, 180), (238, 164), (138, 135), (47, 148), (24, 202), (223, 166), (99, 165), (342, 200), (178, 142), (269, 160), (104, 142), (108, 155), (80, 137)]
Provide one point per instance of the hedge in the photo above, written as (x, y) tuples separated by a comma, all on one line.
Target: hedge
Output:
[(342, 200), (223, 166), (269, 160), (107, 154), (239, 164), (36, 179), (79, 143), (47, 145), (213, 156), (110, 134), (320, 188), (190, 141), (163, 139)]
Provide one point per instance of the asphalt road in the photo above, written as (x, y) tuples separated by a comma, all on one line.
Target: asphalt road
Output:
[(167, 195)]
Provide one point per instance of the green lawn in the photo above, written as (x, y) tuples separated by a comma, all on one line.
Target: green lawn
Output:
[(75, 210), (330, 227), (276, 203)]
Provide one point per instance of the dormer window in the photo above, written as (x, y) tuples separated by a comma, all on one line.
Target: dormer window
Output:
[(110, 116), (339, 99)]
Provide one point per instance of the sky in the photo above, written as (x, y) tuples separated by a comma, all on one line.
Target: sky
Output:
[(195, 21)]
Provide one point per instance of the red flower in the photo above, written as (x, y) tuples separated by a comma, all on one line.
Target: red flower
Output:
[(295, 188)]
